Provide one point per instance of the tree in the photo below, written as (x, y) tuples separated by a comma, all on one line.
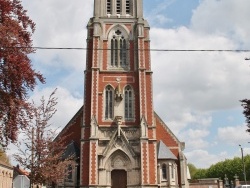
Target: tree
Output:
[(192, 170), (41, 155), (200, 174), (230, 167), (245, 103), (17, 77)]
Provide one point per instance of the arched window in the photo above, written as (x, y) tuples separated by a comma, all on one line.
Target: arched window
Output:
[(164, 171), (123, 52), (129, 103), (118, 50), (109, 102)]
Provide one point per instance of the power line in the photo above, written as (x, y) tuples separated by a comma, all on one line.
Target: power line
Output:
[(103, 49)]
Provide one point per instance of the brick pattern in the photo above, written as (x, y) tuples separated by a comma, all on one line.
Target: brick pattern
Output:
[(85, 164), (149, 99), (105, 55), (152, 163), (93, 159), (95, 78), (144, 166)]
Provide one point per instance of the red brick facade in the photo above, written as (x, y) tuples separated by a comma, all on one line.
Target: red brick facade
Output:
[(117, 143)]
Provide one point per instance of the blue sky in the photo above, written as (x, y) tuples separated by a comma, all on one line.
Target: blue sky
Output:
[(176, 12), (196, 93)]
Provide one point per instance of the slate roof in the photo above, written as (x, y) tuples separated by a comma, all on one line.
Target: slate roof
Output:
[(71, 151), (164, 152)]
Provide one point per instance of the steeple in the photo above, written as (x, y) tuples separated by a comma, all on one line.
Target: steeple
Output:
[(119, 131), (118, 9)]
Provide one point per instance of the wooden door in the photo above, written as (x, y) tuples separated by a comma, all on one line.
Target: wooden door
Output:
[(119, 179)]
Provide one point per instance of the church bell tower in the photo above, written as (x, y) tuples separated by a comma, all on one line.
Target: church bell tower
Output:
[(119, 146)]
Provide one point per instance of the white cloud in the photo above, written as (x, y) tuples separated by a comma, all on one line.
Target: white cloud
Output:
[(233, 134), (225, 17), (203, 159), (67, 105), (60, 24), (190, 86), (157, 14)]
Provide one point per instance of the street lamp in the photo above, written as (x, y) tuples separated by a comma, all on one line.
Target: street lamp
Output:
[(243, 164)]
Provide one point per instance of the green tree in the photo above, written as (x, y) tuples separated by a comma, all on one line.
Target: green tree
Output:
[(230, 167), (192, 170), (200, 174)]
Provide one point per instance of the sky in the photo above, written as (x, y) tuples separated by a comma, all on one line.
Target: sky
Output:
[(196, 93)]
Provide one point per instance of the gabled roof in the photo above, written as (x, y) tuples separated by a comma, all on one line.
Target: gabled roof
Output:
[(166, 127), (123, 139), (164, 152), (71, 123)]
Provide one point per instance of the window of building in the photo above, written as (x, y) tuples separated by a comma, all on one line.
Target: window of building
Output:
[(172, 171), (128, 7), (109, 102), (109, 7), (118, 6), (129, 110), (118, 50), (70, 173), (164, 171)]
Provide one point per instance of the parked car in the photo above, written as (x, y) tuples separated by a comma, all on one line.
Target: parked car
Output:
[(243, 186)]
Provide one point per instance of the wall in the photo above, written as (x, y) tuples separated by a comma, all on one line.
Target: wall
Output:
[(6, 175)]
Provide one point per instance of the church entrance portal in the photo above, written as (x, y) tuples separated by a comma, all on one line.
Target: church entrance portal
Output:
[(119, 179)]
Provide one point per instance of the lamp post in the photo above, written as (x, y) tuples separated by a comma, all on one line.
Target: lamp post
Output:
[(243, 164)]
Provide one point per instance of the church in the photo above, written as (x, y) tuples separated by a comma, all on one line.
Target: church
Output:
[(118, 138)]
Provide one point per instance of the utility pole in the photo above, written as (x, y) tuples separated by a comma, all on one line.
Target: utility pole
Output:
[(32, 157), (243, 164)]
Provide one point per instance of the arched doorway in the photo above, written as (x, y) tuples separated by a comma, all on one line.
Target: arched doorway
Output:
[(118, 179)]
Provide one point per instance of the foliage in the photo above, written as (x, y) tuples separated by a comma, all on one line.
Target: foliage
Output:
[(230, 167), (192, 169), (246, 105), (200, 174), (41, 155), (17, 77)]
